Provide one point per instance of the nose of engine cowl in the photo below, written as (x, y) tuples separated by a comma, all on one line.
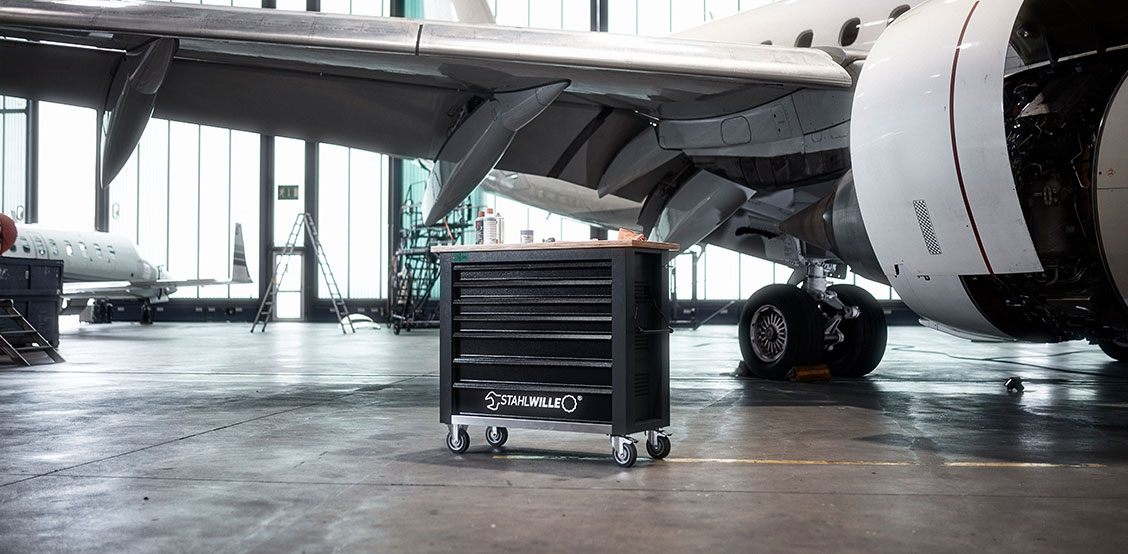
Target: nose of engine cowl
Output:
[(8, 233)]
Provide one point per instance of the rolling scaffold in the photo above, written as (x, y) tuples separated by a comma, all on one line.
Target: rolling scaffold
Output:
[(416, 269)]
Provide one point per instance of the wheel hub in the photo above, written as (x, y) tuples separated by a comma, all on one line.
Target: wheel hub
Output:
[(769, 334)]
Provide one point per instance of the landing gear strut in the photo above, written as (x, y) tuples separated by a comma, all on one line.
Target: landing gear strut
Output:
[(784, 326), (147, 313)]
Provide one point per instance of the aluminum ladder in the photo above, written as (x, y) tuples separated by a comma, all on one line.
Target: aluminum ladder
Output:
[(27, 337), (303, 221)]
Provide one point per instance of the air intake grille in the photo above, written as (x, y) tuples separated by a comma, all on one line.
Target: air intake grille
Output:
[(926, 227)]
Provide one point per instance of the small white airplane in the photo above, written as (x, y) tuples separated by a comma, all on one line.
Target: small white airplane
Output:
[(972, 154), (105, 266)]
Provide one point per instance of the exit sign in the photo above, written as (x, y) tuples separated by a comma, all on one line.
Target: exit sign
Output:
[(288, 192)]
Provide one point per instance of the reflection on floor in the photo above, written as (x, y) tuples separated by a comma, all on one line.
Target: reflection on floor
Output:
[(192, 437)]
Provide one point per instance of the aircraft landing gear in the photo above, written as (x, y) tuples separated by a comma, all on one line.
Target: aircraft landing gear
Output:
[(780, 328), (783, 326), (1115, 349), (147, 313)]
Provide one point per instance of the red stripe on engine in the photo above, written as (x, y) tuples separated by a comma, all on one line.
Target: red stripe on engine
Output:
[(955, 147)]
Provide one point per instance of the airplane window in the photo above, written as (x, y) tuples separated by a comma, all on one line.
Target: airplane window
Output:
[(767, 43), (54, 247), (805, 40), (12, 249), (897, 12), (82, 249), (850, 32), (26, 246), (69, 249), (97, 250)]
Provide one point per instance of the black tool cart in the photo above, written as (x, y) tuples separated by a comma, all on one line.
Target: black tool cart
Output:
[(569, 336)]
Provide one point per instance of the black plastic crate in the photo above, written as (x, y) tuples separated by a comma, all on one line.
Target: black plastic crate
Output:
[(35, 287), (565, 336)]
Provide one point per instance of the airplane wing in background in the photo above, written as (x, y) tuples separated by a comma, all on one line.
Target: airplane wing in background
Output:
[(579, 107), (159, 289)]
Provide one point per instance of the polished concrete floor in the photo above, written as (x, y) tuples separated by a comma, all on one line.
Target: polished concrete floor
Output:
[(205, 438)]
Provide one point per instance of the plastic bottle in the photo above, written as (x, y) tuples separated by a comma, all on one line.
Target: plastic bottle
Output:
[(500, 229), (479, 231), (489, 227)]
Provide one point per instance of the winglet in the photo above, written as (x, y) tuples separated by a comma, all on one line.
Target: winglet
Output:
[(239, 271)]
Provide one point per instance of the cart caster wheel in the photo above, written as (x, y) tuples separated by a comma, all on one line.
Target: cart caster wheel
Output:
[(458, 442), (496, 436), (661, 450), (626, 455), (396, 329)]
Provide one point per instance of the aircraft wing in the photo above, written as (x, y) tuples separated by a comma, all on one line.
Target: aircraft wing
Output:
[(140, 289), (553, 103)]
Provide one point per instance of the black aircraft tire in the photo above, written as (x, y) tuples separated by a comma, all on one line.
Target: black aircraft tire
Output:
[(790, 331), (1115, 350), (866, 336)]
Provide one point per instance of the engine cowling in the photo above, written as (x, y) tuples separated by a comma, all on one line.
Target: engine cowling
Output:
[(975, 129)]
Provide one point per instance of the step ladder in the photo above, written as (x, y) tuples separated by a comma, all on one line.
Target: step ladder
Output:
[(27, 337), (303, 222)]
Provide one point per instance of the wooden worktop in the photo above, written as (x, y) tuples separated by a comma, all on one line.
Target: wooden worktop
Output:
[(557, 246)]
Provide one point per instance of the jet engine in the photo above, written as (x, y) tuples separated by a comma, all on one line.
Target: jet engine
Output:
[(990, 157)]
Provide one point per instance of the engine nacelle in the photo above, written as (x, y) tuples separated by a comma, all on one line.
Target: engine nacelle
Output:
[(974, 130)]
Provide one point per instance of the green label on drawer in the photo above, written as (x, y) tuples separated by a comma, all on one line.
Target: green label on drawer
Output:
[(461, 257)]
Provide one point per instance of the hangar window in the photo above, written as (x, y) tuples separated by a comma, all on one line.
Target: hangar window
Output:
[(897, 12), (805, 40), (68, 248), (850, 32)]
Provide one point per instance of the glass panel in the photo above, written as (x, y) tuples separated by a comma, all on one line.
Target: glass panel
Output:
[(682, 281), (184, 203), (336, 6), (368, 256), (685, 14), (547, 14), (514, 12), (722, 270), (13, 158), (67, 143), (245, 205), (289, 170), (288, 305), (292, 5), (216, 228), (333, 214), (621, 16), (653, 18), (153, 208), (291, 269), (123, 199), (754, 275)]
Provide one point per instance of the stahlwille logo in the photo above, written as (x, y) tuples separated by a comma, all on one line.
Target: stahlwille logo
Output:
[(567, 402)]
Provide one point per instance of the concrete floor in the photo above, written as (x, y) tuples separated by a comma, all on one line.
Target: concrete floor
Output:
[(205, 438)]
